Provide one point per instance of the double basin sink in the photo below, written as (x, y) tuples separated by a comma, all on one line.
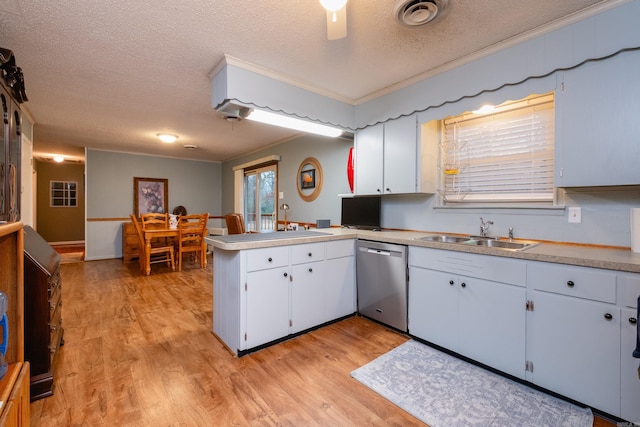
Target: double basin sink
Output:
[(479, 241)]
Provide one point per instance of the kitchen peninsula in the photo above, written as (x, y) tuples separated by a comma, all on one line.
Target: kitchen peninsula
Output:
[(273, 286)]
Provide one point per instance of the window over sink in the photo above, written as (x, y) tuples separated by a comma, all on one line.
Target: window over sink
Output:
[(502, 156)]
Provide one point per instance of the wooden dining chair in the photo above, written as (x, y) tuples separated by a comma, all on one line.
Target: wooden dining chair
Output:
[(192, 229), (235, 223), (158, 253), (153, 221)]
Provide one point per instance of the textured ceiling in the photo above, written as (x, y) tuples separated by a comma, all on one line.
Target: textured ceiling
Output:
[(111, 74)]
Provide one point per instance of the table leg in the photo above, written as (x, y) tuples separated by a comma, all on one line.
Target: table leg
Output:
[(147, 255)]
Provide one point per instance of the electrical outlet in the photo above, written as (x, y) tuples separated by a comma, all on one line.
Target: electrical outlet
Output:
[(575, 215)]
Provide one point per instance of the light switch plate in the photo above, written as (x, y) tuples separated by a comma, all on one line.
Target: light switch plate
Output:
[(575, 215), (281, 195)]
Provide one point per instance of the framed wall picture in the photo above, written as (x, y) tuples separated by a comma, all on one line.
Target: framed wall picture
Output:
[(309, 178), (150, 195)]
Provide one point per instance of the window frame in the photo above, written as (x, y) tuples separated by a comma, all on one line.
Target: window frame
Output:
[(512, 197), (68, 196)]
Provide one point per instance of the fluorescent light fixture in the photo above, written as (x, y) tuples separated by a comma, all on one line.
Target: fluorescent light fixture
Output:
[(293, 123), (167, 137), (58, 159)]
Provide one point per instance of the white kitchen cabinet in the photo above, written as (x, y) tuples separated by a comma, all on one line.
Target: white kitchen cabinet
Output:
[(369, 160), (433, 307), (480, 317), (630, 372), (267, 306), (597, 124), (390, 159), (263, 295), (574, 334), (307, 274), (339, 280), (307, 294)]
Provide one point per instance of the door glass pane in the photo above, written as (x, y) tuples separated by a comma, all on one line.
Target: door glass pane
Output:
[(260, 203), (250, 193)]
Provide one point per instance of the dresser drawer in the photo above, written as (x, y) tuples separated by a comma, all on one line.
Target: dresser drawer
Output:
[(579, 282), (309, 252), (263, 259)]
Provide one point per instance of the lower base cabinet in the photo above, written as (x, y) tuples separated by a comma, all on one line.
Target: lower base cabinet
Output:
[(475, 317), (630, 370), (263, 295), (575, 349)]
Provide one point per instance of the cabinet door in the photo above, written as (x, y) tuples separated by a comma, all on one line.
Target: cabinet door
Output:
[(492, 324), (597, 124), (575, 349), (267, 306), (339, 286), (433, 307), (400, 156), (369, 160), (307, 308), (629, 407)]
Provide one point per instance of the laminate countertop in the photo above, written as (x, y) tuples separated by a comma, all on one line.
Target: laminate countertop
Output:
[(572, 254)]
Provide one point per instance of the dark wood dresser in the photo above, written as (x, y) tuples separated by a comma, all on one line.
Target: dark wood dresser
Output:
[(129, 242), (42, 311)]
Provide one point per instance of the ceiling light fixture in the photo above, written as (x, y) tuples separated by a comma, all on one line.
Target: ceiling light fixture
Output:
[(167, 137), (293, 123), (58, 159)]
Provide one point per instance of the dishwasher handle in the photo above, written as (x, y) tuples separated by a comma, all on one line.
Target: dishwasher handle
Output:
[(378, 252)]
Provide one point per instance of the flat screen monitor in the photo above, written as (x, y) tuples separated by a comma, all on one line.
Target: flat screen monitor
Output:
[(361, 212)]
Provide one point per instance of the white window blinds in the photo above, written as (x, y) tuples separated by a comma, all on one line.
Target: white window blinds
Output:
[(502, 157)]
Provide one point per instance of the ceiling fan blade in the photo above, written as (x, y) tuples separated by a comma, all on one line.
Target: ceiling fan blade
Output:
[(337, 24)]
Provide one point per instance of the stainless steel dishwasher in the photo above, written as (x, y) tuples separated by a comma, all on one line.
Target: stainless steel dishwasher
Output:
[(381, 274)]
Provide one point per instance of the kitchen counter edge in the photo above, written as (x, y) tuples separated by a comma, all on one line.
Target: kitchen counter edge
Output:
[(585, 256)]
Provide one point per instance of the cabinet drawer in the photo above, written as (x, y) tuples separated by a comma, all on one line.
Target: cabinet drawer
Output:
[(629, 289), (262, 259), (486, 267), (340, 248), (580, 282), (309, 252)]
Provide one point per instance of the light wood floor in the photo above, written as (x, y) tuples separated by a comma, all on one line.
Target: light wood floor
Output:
[(139, 352)]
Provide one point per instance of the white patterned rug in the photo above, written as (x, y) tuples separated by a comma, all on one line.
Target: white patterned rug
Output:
[(442, 390)]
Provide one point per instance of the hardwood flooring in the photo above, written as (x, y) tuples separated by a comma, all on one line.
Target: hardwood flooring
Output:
[(139, 351)]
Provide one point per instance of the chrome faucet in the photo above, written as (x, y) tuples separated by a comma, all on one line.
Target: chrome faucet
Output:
[(484, 227), (511, 234)]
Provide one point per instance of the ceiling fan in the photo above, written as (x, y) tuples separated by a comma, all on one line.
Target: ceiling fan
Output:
[(408, 13), (336, 18)]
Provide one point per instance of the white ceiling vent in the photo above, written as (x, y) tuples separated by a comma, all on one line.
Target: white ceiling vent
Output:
[(415, 13)]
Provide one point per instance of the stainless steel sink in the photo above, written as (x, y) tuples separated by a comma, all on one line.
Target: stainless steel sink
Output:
[(479, 241), (503, 244), (444, 239)]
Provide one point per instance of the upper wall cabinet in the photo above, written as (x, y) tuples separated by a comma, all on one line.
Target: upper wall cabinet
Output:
[(597, 126), (389, 159)]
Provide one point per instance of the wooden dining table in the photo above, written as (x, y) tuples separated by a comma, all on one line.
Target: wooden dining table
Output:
[(148, 236)]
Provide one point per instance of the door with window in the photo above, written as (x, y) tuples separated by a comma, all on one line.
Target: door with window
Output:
[(260, 198)]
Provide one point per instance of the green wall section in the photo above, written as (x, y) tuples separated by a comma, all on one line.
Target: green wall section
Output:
[(59, 224)]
